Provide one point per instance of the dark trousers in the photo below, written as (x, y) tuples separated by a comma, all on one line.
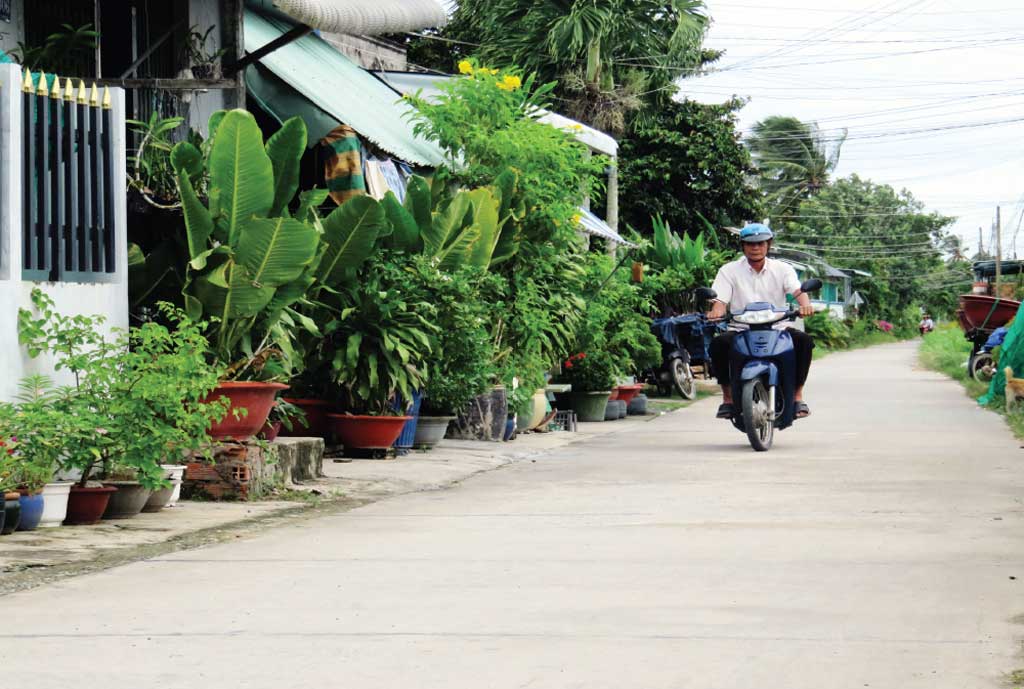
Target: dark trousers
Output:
[(721, 347)]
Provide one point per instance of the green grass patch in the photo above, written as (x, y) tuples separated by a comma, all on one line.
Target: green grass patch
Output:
[(667, 404), (946, 350)]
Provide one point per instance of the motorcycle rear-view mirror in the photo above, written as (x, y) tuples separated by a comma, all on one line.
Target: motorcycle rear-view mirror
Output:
[(705, 293), (812, 285)]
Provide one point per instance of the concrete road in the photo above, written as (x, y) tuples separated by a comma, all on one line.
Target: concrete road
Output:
[(879, 545)]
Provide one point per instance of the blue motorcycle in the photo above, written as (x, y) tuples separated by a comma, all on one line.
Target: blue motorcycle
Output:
[(763, 368)]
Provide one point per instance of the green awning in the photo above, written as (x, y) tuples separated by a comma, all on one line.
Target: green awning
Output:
[(336, 87)]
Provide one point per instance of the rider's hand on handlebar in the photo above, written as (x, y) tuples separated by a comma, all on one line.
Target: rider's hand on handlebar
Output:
[(717, 311), (806, 310)]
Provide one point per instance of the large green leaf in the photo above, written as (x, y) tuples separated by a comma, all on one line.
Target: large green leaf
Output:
[(241, 175), (405, 233), (198, 221), (418, 202), (309, 201), (485, 219), (350, 233), (285, 149), (230, 293), (447, 224), (275, 251)]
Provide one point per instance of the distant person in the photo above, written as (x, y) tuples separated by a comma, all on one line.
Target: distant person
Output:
[(926, 325)]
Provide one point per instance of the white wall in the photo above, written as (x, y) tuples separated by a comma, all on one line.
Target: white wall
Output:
[(109, 298), (13, 31)]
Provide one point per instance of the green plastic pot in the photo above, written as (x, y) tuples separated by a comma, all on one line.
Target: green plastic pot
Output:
[(589, 406)]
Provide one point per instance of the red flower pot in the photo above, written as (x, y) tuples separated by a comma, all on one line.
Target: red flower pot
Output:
[(257, 398), (87, 505), (270, 431), (317, 424), (614, 395), (367, 432), (628, 392)]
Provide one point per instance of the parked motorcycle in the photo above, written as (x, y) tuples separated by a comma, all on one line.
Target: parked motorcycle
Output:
[(763, 368), (684, 347)]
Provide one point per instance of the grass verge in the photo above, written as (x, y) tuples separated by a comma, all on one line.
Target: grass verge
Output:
[(667, 404), (868, 340), (946, 350)]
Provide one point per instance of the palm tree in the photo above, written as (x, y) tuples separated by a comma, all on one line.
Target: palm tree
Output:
[(607, 54), (794, 160)]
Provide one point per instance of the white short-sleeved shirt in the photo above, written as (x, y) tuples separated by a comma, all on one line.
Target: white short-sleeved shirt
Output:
[(737, 284)]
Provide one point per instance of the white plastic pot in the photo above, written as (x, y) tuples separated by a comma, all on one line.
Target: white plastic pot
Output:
[(55, 504), (177, 473)]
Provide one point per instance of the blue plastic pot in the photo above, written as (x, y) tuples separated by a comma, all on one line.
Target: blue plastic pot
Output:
[(31, 511), (407, 439), (510, 428)]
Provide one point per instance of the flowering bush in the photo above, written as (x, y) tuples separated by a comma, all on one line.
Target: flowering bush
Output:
[(589, 372)]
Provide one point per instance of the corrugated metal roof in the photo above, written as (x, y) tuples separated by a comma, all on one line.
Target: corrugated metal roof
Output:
[(369, 17), (342, 89), (593, 225), (429, 86)]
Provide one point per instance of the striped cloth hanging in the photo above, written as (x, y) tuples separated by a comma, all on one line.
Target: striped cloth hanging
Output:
[(343, 167)]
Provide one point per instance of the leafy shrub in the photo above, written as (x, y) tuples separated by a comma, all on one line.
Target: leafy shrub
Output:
[(828, 331), (139, 398), (589, 371)]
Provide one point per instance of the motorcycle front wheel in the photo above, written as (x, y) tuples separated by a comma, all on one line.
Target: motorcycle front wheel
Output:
[(982, 367), (758, 417)]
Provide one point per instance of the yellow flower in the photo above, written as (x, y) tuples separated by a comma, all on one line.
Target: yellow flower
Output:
[(576, 219), (492, 72), (510, 83), (465, 67)]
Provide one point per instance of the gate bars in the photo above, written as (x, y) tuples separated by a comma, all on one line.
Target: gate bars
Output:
[(68, 230)]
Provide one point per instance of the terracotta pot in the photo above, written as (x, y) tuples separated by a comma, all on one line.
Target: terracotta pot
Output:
[(257, 398), (86, 505), (317, 424), (12, 512), (55, 505), (128, 501), (628, 392), (367, 432), (31, 511), (270, 430)]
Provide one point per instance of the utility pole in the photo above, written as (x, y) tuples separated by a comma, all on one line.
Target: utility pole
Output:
[(999, 250), (981, 245)]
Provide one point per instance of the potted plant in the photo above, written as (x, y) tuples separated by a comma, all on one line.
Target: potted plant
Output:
[(31, 443), (153, 377), (204, 64), (463, 364), (250, 260), (378, 347), (283, 416), (591, 375)]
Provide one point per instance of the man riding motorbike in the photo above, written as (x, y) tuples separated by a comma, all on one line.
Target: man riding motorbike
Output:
[(756, 278)]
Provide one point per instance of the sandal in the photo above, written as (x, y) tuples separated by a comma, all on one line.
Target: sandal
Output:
[(801, 410), (725, 411)]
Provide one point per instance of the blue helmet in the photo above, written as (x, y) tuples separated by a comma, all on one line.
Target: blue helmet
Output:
[(756, 232)]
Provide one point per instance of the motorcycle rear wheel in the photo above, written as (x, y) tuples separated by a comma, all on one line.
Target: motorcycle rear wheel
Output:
[(758, 419), (983, 367)]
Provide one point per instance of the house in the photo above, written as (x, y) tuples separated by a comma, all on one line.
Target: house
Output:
[(64, 146), (837, 290)]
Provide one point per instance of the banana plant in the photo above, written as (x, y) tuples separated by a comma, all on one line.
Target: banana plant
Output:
[(464, 229), (250, 260), (668, 250)]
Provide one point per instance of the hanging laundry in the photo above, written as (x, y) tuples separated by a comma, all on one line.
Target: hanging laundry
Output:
[(393, 178), (376, 184), (343, 169)]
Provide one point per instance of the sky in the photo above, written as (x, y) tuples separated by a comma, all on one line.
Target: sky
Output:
[(927, 90)]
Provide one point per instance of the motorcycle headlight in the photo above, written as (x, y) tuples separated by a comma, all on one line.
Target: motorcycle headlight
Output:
[(755, 317)]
